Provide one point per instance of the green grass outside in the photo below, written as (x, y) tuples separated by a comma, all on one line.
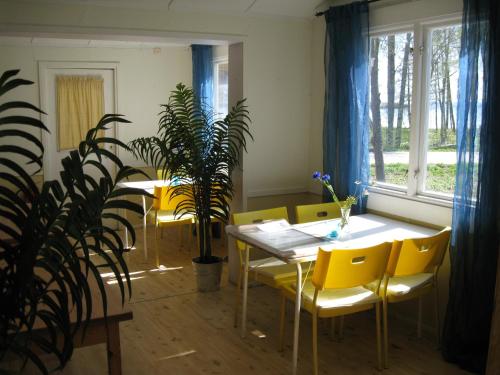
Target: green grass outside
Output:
[(434, 140), (440, 177)]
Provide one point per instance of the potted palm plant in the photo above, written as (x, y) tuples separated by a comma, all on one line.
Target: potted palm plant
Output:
[(199, 150), (48, 235)]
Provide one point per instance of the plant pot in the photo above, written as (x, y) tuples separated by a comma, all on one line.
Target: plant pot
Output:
[(208, 275)]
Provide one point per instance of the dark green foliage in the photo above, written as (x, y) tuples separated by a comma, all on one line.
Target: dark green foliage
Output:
[(200, 152), (48, 235)]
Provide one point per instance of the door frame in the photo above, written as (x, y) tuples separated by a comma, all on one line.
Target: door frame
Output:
[(45, 65)]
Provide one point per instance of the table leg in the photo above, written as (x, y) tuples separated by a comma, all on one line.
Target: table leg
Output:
[(125, 240), (144, 229), (113, 346), (245, 293), (296, 321)]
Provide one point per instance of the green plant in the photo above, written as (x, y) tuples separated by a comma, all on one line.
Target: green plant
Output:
[(199, 151), (47, 235), (348, 201)]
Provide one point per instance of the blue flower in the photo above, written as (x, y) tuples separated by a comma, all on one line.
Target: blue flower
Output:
[(325, 177), (316, 175)]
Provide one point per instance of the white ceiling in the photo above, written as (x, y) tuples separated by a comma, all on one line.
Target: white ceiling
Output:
[(290, 8)]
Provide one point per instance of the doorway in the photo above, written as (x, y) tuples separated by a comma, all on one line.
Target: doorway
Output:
[(48, 71)]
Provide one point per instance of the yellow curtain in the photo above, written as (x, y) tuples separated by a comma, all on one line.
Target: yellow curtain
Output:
[(80, 106)]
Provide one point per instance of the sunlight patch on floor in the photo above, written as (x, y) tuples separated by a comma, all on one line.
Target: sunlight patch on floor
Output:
[(112, 274), (115, 281), (259, 334), (182, 354), (163, 268)]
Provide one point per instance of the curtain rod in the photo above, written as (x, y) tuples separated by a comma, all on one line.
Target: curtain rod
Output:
[(367, 1)]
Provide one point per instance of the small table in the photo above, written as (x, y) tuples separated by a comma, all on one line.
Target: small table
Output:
[(148, 187), (299, 243)]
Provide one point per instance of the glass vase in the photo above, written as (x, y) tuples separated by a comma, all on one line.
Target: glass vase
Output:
[(345, 213)]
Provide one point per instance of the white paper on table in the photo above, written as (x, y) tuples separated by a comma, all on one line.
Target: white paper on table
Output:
[(280, 237), (274, 226), (319, 228)]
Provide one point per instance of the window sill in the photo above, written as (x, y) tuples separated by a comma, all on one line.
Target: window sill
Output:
[(435, 201)]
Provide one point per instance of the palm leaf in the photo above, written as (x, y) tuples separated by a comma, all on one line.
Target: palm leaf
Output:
[(53, 232), (200, 152)]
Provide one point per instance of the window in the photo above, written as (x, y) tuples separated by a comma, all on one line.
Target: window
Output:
[(442, 96), (413, 109), (221, 87), (391, 71)]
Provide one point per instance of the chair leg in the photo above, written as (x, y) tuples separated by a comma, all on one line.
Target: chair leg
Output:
[(238, 298), (436, 312), (386, 334), (419, 320), (315, 341), (282, 323), (379, 342), (157, 255)]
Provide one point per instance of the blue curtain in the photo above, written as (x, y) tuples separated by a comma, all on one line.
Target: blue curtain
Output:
[(475, 238), (346, 127), (203, 73)]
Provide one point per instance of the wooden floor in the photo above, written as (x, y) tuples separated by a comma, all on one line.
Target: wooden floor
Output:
[(176, 330)]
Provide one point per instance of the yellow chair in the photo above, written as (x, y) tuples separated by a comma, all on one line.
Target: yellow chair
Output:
[(412, 272), (270, 271), (161, 174), (163, 209), (316, 212), (337, 288)]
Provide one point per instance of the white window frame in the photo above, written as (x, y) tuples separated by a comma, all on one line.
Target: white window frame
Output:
[(417, 167), (216, 62)]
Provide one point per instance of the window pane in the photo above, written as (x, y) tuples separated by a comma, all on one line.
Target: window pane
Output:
[(222, 87), (442, 110), (391, 70)]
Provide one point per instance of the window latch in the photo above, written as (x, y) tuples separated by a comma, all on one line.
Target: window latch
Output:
[(416, 172)]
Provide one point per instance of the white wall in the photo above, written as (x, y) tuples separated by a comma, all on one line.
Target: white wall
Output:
[(144, 79), (276, 77), (380, 16)]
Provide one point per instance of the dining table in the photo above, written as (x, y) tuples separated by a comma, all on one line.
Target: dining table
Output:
[(295, 244), (148, 186)]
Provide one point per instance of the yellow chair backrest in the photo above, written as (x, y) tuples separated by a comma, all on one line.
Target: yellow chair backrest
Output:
[(162, 174), (253, 217), (348, 268), (416, 255), (316, 212), (163, 199)]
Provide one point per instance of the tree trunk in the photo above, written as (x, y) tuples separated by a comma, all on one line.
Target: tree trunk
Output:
[(391, 72), (375, 108), (402, 92), (446, 77), (450, 104)]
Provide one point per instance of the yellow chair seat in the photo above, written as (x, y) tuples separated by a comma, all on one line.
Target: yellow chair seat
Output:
[(274, 272), (332, 299), (166, 217), (399, 286)]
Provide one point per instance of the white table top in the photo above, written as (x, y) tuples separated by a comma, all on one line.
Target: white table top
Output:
[(147, 186), (295, 243)]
